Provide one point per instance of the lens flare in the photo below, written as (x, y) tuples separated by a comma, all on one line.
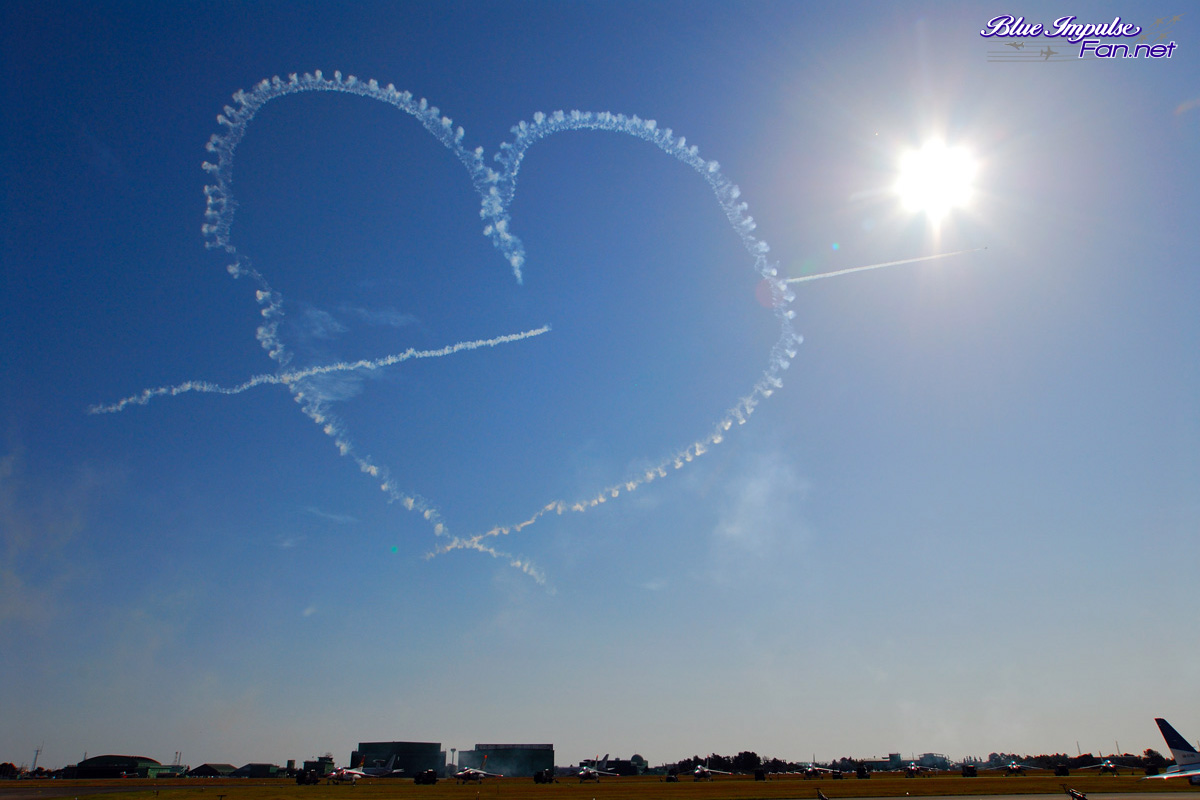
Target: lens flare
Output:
[(935, 179)]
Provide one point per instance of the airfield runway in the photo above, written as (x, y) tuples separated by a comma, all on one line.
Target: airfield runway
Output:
[(734, 787)]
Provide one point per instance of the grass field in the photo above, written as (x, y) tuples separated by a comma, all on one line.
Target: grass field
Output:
[(640, 788)]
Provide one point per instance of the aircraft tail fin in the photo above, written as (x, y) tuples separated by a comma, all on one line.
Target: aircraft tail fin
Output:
[(1185, 755)]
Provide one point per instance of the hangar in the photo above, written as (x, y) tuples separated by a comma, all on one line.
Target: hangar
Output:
[(412, 757), (256, 771), (112, 766), (212, 771), (517, 760)]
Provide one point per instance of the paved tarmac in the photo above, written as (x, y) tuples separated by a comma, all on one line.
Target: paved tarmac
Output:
[(47, 790)]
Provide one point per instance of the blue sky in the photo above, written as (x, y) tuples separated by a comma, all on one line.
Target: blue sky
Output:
[(966, 523)]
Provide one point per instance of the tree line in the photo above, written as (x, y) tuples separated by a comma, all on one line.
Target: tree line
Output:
[(749, 761)]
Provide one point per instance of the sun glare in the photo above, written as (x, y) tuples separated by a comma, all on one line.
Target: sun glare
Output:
[(935, 179)]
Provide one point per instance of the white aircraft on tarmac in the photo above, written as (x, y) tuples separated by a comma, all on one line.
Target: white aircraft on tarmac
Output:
[(1109, 766), (811, 770), (1012, 768), (593, 773), (470, 774), (703, 772), (351, 775), (1187, 760), (345, 775)]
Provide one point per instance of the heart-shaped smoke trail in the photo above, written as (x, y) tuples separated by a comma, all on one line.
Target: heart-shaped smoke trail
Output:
[(497, 187)]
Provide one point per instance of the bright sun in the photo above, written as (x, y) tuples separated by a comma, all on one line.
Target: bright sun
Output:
[(935, 179)]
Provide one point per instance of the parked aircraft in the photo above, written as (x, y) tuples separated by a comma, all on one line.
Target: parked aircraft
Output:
[(1187, 760), (1108, 765), (1012, 768), (388, 770), (704, 773), (813, 771), (345, 774), (470, 774), (912, 769), (594, 773)]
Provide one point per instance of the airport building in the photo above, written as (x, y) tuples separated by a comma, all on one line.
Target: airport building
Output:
[(212, 771), (412, 757), (112, 766), (896, 761), (875, 764), (517, 760), (256, 771)]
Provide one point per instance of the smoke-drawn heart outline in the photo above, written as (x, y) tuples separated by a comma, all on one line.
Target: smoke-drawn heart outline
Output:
[(497, 188)]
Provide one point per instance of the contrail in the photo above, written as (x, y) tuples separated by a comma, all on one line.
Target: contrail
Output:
[(835, 273), (288, 378)]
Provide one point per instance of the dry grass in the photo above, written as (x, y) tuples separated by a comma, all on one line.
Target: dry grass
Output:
[(724, 788)]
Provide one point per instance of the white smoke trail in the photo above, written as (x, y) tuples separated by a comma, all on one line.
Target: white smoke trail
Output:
[(497, 188), (288, 378), (848, 270), (739, 413), (219, 212), (496, 203)]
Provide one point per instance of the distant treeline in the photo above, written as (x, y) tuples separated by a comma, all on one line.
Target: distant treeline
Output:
[(748, 761), (1150, 758)]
